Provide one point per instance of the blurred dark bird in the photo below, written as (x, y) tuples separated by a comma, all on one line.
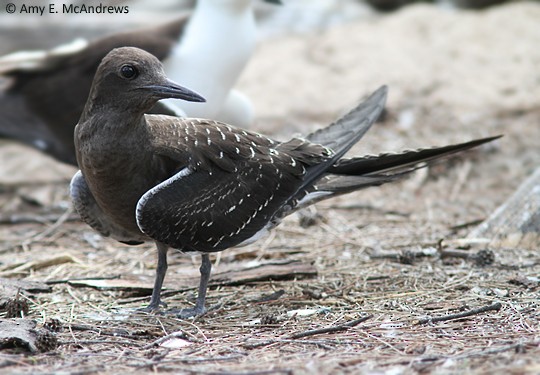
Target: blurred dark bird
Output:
[(46, 91), (201, 185)]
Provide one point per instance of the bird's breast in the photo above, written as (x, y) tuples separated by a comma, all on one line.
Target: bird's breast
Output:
[(117, 175)]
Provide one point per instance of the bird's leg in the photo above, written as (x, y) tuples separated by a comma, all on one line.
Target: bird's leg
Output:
[(161, 270), (205, 269), (199, 309)]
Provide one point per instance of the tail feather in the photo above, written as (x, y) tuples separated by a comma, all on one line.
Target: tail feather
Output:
[(334, 185), (400, 162), (348, 175)]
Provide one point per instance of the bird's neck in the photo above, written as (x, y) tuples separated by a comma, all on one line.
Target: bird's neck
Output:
[(101, 133), (99, 103)]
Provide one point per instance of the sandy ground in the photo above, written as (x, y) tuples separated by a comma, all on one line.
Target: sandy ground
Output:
[(453, 76)]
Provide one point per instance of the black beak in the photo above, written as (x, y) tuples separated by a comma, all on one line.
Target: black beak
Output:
[(169, 89)]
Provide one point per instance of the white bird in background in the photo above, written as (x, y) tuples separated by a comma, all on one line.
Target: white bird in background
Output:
[(221, 31)]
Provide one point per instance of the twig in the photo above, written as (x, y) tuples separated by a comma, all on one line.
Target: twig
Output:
[(466, 224), (6, 361), (517, 347), (31, 219), (65, 281), (481, 258), (58, 223), (286, 341), (464, 314), (99, 342), (405, 257), (370, 208), (337, 328), (117, 332), (13, 187), (163, 363), (453, 253), (182, 369), (189, 359), (377, 277), (270, 297)]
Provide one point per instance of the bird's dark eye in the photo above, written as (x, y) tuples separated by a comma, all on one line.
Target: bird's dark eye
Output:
[(129, 71)]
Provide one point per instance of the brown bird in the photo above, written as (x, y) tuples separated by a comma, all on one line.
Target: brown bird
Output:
[(204, 186)]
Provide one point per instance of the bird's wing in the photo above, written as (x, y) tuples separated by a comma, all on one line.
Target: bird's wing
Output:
[(343, 133), (90, 212), (230, 185), (19, 122), (32, 61), (157, 40), (338, 138), (238, 182)]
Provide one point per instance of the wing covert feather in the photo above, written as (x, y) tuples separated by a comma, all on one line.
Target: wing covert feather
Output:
[(212, 211)]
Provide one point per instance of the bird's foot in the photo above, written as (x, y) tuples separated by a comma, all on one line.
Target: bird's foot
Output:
[(153, 306)]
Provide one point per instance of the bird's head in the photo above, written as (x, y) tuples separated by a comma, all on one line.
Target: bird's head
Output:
[(130, 78)]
